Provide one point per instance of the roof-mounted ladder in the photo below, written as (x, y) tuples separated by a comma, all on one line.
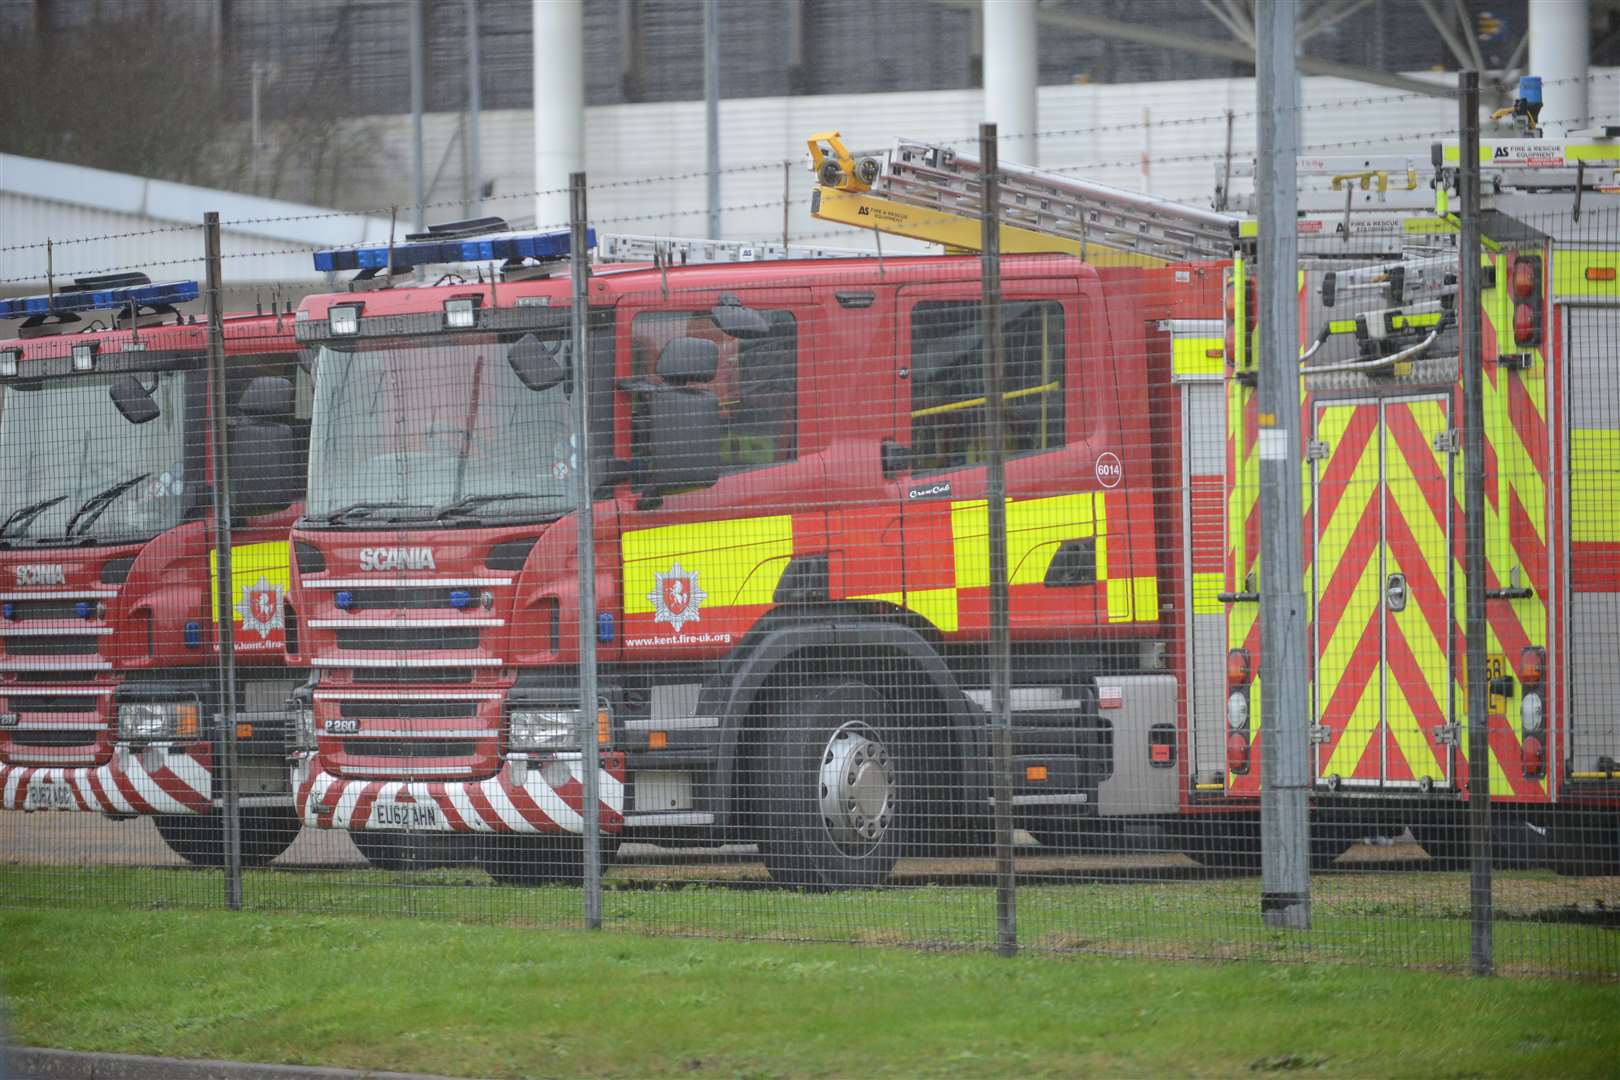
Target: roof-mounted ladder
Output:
[(679, 251), (930, 192)]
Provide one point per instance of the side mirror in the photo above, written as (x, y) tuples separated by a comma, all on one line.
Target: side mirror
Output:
[(688, 360), (535, 363), (268, 397), (735, 320), (134, 401)]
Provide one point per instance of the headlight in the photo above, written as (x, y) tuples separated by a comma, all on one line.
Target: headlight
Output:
[(1530, 713), (1237, 710), (158, 720), (301, 719), (544, 729)]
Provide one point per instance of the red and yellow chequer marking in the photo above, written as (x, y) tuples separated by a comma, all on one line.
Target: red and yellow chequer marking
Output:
[(1516, 527), (1350, 587), (1417, 639)]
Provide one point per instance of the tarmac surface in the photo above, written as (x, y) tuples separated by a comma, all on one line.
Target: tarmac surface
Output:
[(28, 1063)]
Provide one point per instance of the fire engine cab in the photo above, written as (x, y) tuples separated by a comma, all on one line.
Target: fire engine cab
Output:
[(109, 682)]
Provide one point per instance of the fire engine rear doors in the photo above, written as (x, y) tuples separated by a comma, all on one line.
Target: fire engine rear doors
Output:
[(1379, 574)]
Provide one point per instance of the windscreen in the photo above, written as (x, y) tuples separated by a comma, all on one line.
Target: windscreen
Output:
[(77, 468), (442, 430)]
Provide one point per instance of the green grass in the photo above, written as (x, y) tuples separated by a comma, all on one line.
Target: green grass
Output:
[(1546, 926), (509, 1001)]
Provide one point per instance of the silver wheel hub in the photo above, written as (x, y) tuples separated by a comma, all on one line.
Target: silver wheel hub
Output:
[(857, 788)]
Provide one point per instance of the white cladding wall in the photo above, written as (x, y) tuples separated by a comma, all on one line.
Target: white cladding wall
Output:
[(645, 162)]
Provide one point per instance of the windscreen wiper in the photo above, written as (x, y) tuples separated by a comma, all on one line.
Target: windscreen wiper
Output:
[(466, 503), (356, 510), (25, 515), (97, 504)]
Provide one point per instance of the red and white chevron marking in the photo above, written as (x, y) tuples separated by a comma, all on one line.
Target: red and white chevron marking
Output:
[(182, 785), (495, 805)]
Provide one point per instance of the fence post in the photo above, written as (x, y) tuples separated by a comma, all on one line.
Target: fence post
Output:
[(1285, 864), (995, 488), (225, 772), (1470, 313), (585, 520)]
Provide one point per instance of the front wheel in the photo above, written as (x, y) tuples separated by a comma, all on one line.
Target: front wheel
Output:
[(200, 838), (831, 803)]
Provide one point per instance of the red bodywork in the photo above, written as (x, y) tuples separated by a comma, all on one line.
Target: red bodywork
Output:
[(149, 612)]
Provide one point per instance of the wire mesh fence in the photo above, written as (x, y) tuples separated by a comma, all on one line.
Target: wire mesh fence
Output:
[(803, 704)]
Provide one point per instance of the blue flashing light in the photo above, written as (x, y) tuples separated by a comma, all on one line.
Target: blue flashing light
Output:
[(344, 600), (8, 611), (503, 247), (193, 634), (84, 609), (460, 598), (1530, 89), (161, 293), (604, 627)]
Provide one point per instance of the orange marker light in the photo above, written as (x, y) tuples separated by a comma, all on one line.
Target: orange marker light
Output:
[(1600, 273), (1035, 772)]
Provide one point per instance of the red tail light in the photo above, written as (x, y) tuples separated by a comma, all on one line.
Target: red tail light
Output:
[(1525, 289), (1238, 668), (1532, 666), (1524, 279), (1535, 758), (1237, 752)]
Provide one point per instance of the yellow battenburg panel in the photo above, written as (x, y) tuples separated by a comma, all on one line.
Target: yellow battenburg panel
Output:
[(1036, 529), (1198, 355), (250, 565), (738, 561), (1594, 485), (1206, 590), (1570, 278)]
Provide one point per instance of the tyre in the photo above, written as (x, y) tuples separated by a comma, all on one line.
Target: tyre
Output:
[(830, 794), (200, 838), (526, 860)]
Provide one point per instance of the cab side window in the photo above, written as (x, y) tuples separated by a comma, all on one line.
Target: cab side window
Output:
[(286, 429), (947, 381), (754, 382)]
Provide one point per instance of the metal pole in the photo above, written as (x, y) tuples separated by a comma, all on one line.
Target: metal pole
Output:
[(995, 493), (1285, 896), (224, 586), (585, 520), (711, 109), (1468, 327), (418, 104), (475, 107)]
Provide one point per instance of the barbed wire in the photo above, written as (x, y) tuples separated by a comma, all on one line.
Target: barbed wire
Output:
[(1136, 161), (773, 164)]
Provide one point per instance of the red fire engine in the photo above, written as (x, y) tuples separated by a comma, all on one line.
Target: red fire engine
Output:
[(792, 573), (109, 684)]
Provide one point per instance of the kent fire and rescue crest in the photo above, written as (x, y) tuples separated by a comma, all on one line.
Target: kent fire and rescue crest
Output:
[(261, 607), (676, 598)]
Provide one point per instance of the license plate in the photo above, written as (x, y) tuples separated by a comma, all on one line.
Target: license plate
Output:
[(405, 815), (50, 795)]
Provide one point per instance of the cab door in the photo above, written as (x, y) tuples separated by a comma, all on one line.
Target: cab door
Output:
[(1051, 486)]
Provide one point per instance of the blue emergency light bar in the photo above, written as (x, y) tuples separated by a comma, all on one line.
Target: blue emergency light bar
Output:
[(422, 250), (86, 297)]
